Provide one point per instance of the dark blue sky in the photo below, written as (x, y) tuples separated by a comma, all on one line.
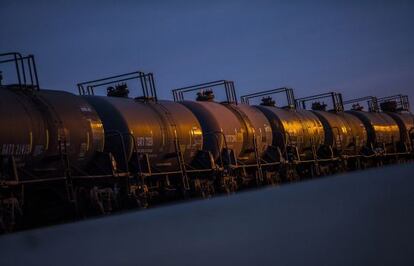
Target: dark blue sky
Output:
[(355, 47)]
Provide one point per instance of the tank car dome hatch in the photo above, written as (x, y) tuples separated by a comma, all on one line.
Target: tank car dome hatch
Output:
[(146, 126), (389, 106), (119, 90), (268, 101), (318, 106), (357, 107), (205, 95)]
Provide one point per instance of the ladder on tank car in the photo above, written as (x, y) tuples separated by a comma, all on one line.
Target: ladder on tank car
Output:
[(248, 124), (63, 150), (52, 119), (177, 147), (43, 106)]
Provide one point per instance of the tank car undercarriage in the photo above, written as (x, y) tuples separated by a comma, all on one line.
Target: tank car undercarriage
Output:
[(72, 196)]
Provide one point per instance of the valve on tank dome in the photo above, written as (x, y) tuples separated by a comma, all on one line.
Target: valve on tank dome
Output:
[(268, 101), (357, 107), (205, 95), (318, 106), (389, 106), (120, 90)]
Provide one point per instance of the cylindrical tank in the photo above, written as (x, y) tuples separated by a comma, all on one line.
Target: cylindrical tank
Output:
[(381, 129), (155, 128), (294, 128), (36, 124), (405, 122), (343, 132), (23, 133), (257, 131), (221, 127), (71, 121)]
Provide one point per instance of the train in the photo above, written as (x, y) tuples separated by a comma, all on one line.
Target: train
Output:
[(65, 155)]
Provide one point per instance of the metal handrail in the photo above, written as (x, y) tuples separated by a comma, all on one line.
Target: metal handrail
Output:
[(146, 80), (372, 102), (20, 62)]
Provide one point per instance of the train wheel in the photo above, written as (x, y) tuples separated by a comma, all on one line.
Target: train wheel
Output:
[(324, 170), (228, 184), (103, 199), (203, 188), (10, 212), (291, 174), (272, 178), (140, 196)]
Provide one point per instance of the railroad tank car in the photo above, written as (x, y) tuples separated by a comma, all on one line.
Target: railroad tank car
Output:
[(258, 130), (76, 125), (382, 130), (293, 128), (231, 126), (405, 122), (47, 124), (343, 132), (23, 131), (46, 131), (153, 128), (221, 127), (397, 106)]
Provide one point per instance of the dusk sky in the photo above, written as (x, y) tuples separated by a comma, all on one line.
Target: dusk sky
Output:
[(355, 47)]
